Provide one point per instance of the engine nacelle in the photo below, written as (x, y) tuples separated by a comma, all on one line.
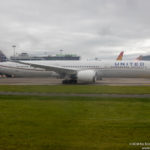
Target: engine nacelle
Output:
[(86, 76)]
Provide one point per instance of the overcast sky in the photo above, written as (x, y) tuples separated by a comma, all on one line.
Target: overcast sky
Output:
[(90, 28)]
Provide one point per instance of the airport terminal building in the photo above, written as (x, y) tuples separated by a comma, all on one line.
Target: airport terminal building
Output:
[(26, 56), (146, 58)]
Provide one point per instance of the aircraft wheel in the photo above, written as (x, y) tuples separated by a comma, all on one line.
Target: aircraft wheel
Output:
[(64, 81), (69, 81)]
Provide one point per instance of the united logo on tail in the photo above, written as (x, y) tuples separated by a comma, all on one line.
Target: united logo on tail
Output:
[(120, 56)]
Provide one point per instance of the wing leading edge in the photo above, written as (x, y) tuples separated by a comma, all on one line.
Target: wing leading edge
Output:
[(57, 69)]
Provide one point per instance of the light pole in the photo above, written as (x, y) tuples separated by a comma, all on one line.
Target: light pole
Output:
[(14, 47), (61, 51)]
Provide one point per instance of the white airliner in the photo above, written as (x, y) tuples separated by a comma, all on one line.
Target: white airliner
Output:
[(26, 70), (90, 71)]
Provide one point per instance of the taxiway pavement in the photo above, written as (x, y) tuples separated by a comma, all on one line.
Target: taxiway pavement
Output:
[(54, 81)]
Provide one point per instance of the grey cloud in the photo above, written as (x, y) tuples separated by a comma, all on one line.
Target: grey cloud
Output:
[(85, 27)]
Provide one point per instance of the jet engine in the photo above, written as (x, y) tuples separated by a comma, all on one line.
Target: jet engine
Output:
[(86, 76)]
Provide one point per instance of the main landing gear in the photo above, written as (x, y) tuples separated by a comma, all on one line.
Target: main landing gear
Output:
[(69, 81)]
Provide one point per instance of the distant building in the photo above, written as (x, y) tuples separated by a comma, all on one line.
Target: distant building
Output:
[(22, 56), (146, 57), (62, 57), (25, 56)]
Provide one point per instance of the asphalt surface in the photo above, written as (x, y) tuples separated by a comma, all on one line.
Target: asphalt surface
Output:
[(54, 81)]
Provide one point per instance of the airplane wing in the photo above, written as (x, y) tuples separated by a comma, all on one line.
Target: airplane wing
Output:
[(57, 69)]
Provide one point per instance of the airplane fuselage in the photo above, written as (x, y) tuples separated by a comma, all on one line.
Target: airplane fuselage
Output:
[(102, 68), (106, 68)]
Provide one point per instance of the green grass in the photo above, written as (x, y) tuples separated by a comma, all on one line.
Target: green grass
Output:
[(77, 89), (73, 123)]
